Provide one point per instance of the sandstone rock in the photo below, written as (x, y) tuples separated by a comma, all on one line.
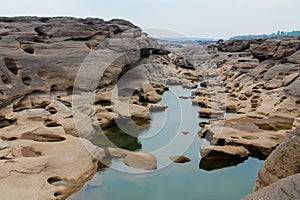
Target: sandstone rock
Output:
[(294, 58), (180, 159), (236, 45), (283, 162), (286, 188), (57, 77), (136, 112), (210, 113), (260, 82), (44, 158), (287, 48), (182, 63), (266, 50), (296, 122), (293, 88), (259, 136), (149, 94), (157, 107), (139, 160), (273, 84), (290, 78), (224, 152), (262, 90), (184, 132)]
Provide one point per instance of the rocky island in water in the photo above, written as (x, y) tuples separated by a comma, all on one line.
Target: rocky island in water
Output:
[(66, 81)]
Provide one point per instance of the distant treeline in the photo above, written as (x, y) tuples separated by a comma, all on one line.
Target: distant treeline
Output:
[(278, 34), (206, 42)]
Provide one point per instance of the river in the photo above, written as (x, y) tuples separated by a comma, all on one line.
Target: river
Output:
[(164, 138)]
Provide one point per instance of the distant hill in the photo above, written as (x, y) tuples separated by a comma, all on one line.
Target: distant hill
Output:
[(278, 34)]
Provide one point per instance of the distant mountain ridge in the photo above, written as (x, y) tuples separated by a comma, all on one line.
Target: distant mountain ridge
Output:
[(278, 34)]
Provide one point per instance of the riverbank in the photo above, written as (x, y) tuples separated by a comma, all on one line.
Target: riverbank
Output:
[(171, 180), (57, 87), (63, 80)]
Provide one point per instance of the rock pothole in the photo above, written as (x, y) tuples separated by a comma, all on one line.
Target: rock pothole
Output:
[(51, 123), (58, 195), (29, 50), (51, 110), (56, 181), (30, 152), (6, 122), (103, 103), (5, 79), (42, 137), (26, 80), (11, 65), (8, 138), (274, 126)]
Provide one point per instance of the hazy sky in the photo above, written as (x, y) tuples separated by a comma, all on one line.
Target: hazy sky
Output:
[(192, 18)]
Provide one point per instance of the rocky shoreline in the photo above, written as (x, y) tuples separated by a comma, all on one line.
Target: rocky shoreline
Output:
[(58, 89), (43, 122), (257, 80)]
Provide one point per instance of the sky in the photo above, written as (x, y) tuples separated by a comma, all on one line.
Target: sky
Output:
[(189, 18)]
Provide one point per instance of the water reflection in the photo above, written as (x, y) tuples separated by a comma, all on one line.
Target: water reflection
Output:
[(176, 181), (211, 165), (117, 138)]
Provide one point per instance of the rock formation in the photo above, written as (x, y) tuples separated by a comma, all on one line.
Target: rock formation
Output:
[(257, 80), (180, 159), (286, 188), (279, 176), (62, 79)]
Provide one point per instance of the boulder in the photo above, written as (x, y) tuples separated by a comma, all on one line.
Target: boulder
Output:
[(236, 45), (294, 58), (210, 113), (286, 188), (138, 160), (266, 50), (149, 94), (180, 159), (283, 162), (224, 152), (157, 107), (259, 136), (286, 48)]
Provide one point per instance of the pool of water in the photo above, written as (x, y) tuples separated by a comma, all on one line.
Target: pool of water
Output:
[(171, 181)]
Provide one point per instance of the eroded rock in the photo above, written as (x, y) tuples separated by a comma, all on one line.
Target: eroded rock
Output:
[(139, 160), (58, 84), (180, 159), (284, 161), (224, 152), (286, 188)]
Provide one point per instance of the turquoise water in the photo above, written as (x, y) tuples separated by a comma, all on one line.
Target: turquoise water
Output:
[(171, 181)]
